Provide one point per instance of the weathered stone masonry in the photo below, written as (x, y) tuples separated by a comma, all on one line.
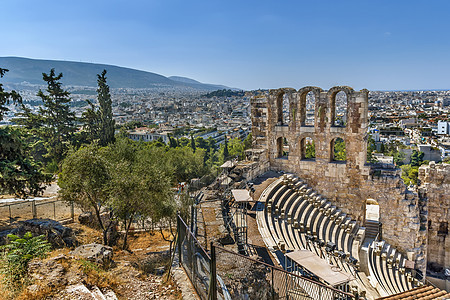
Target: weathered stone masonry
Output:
[(435, 195), (348, 184)]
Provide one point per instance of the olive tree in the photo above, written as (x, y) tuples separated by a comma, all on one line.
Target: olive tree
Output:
[(85, 179)]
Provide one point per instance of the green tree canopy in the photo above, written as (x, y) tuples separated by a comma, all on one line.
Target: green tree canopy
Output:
[(310, 150), (140, 183), (7, 97), (184, 163), (54, 124), (127, 178), (85, 179), (340, 152), (99, 121), (416, 158), (19, 173)]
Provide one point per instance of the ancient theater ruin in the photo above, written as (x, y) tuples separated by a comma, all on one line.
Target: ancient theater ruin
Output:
[(325, 212)]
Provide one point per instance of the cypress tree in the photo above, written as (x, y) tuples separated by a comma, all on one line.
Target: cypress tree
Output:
[(192, 143), (98, 121), (107, 123), (225, 150)]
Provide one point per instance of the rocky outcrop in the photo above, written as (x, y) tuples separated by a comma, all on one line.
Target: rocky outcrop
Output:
[(55, 233), (51, 271), (97, 253), (243, 278)]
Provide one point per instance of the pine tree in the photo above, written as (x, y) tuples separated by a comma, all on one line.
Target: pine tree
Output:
[(19, 174), (7, 97), (54, 124)]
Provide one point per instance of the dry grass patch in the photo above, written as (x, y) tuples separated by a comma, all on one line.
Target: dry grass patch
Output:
[(85, 234)]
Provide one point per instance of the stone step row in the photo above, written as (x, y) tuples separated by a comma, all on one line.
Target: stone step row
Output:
[(387, 267), (294, 215)]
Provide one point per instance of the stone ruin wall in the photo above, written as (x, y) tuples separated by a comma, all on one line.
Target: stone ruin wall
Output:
[(435, 192), (346, 184)]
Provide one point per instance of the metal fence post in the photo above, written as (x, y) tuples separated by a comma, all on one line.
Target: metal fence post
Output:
[(273, 287), (213, 280), (192, 218), (179, 239), (33, 209), (54, 210), (10, 217)]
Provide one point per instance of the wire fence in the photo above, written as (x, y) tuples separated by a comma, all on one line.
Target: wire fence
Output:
[(44, 209), (194, 259), (240, 277)]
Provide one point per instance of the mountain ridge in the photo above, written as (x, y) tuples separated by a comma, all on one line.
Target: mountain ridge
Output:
[(28, 70)]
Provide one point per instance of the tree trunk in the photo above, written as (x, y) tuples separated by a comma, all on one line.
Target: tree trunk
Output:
[(168, 240), (105, 236), (127, 228)]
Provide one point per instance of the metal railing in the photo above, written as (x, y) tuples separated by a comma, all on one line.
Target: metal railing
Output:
[(247, 278), (194, 259), (240, 277), (52, 209)]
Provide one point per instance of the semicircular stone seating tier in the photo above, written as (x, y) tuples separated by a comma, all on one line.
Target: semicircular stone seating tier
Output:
[(291, 215)]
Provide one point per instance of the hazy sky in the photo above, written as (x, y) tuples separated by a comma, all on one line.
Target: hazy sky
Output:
[(379, 45)]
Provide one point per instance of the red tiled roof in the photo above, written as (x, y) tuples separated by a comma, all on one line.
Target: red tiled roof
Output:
[(426, 292)]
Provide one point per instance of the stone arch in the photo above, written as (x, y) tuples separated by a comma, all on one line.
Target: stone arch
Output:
[(332, 95), (338, 150), (283, 147), (303, 109), (307, 147), (279, 107), (283, 104), (372, 209)]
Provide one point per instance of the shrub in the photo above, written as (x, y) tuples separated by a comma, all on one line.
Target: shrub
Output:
[(17, 254)]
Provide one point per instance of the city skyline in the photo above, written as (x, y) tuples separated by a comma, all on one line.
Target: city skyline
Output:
[(251, 45)]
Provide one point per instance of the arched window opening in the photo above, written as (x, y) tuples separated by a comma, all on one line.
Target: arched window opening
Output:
[(308, 149), (280, 108), (283, 148), (372, 210), (340, 109), (286, 115), (310, 109), (338, 150), (283, 109), (279, 147)]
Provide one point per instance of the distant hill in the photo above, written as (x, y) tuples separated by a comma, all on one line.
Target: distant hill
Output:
[(26, 70), (197, 83), (184, 79)]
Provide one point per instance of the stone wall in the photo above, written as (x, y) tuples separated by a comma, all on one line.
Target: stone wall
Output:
[(401, 215), (336, 180), (435, 192), (347, 184)]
